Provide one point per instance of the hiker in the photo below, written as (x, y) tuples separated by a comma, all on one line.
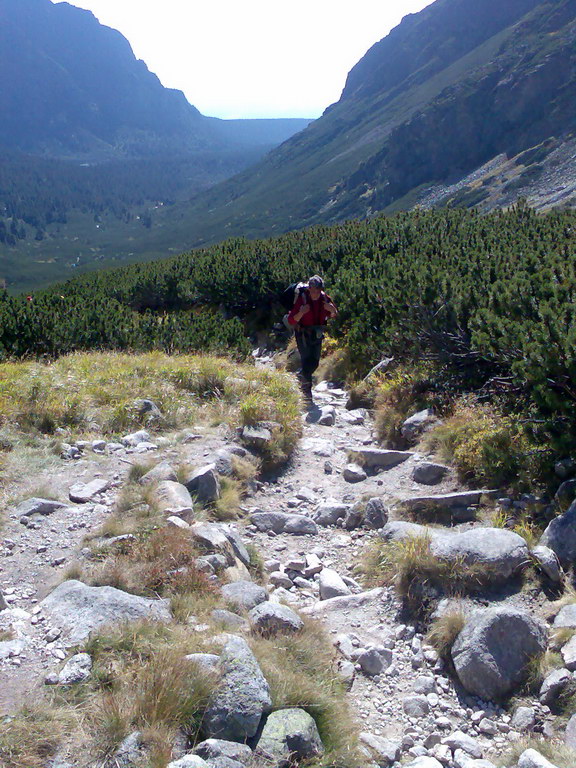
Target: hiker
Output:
[(311, 311)]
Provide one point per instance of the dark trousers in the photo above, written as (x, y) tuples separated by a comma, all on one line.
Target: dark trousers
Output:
[(309, 341)]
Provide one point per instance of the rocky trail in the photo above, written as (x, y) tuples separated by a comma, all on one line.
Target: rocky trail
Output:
[(311, 524)]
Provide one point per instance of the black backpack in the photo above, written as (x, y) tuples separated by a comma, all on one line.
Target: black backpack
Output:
[(288, 296)]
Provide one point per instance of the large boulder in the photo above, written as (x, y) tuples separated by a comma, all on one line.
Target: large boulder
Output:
[(500, 553), (204, 484), (273, 618), (400, 530), (415, 425), (174, 499), (211, 538), (162, 471), (300, 525), (429, 473), (289, 735), (268, 521), (79, 610), (331, 584), (36, 506), (244, 595), (560, 537), (236, 707), (375, 514), (380, 458), (533, 759), (491, 652), (330, 511)]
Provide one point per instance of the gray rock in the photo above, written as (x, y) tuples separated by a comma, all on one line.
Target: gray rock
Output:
[(353, 473), (553, 685), (189, 761), (532, 759), (500, 552), (136, 438), (174, 499), (560, 536), (236, 543), (463, 760), (354, 518), (375, 514), (204, 484), (236, 707), (429, 473), (400, 530), (569, 654), (441, 503), (269, 521), (331, 585), (131, 753), (162, 471), (566, 494), (570, 733), (211, 539), (257, 436), (380, 458), (3, 603), (460, 740), (523, 719), (329, 512), (548, 563), (78, 610), (424, 762), (491, 652), (37, 506), (384, 751), (82, 493), (566, 617), (272, 618), (327, 416), (374, 661), (149, 409), (244, 595), (289, 735), (415, 706), (298, 525), (229, 620), (344, 603), (414, 426), (424, 684), (565, 468), (211, 749), (76, 670)]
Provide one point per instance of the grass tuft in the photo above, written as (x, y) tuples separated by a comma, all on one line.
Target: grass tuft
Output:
[(417, 574), (444, 630)]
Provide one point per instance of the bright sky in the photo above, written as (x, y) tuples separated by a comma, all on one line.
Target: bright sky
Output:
[(253, 58)]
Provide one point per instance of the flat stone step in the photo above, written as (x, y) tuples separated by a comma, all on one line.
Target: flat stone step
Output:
[(445, 501), (380, 458)]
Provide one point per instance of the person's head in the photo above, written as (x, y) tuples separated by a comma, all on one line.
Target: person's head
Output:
[(315, 286)]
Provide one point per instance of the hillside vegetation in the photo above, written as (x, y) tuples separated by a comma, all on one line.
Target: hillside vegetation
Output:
[(489, 301)]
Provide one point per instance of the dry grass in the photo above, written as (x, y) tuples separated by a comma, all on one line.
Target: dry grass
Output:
[(160, 563), (417, 574), (568, 598), (559, 754), (444, 630), (30, 738), (301, 672), (227, 507), (538, 668), (486, 447), (141, 681)]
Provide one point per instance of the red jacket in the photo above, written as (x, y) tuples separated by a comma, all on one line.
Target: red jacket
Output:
[(316, 315)]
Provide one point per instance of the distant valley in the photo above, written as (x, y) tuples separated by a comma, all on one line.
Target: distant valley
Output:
[(466, 104)]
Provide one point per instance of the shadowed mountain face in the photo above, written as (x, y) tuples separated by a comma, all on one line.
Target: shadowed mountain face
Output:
[(448, 90), (73, 86)]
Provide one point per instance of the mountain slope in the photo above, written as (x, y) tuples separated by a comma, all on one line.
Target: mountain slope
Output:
[(449, 89)]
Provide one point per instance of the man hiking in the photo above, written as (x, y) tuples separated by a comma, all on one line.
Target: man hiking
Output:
[(309, 316)]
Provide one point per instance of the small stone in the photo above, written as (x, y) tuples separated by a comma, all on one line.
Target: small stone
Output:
[(353, 473)]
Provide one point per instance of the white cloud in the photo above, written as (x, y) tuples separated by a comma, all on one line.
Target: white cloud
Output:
[(257, 58)]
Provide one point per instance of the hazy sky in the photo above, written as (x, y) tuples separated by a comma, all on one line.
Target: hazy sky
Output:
[(253, 58)]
